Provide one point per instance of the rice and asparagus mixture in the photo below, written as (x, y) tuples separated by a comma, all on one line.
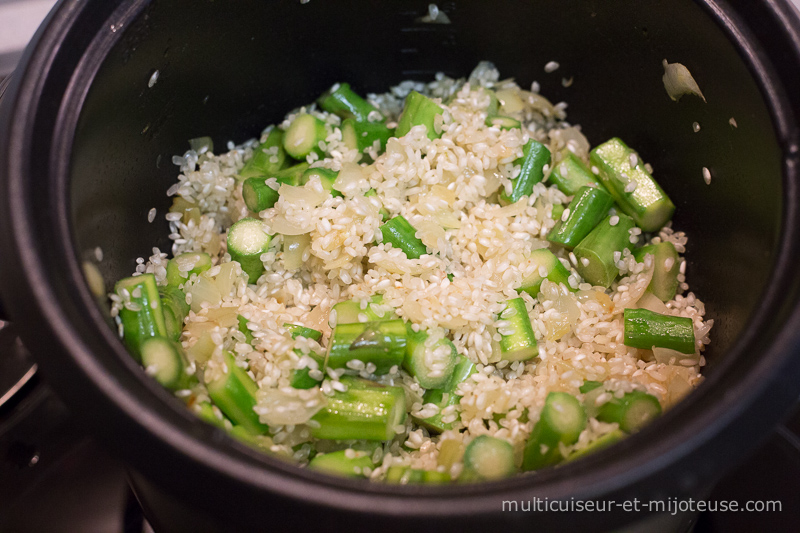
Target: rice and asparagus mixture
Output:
[(443, 282)]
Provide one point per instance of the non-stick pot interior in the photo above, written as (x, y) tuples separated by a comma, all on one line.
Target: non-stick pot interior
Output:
[(229, 69)]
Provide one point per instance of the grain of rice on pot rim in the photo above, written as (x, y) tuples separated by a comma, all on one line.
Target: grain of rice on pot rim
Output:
[(456, 188)]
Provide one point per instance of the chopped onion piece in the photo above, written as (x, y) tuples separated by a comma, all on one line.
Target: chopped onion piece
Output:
[(284, 227), (510, 101), (226, 317), (301, 196), (652, 303), (294, 246), (679, 81), (228, 273), (351, 180), (204, 291)]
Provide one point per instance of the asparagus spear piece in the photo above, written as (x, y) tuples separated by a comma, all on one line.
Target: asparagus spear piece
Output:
[(546, 266), (163, 359), (209, 413), (631, 412), (248, 335), (351, 312), (488, 458), (362, 135), (181, 267), (341, 100), (504, 123), (141, 315), (326, 176), (347, 463), (638, 195), (431, 363), (418, 110), (257, 195), (304, 135), (517, 343), (401, 234), (562, 420), (366, 411), (610, 438), (173, 303), (383, 211), (268, 157), (300, 378), (595, 253), (404, 475), (535, 157), (589, 386), (247, 240), (234, 392), (296, 330), (381, 343), (645, 329), (666, 265), (447, 395), (586, 210), (570, 174)]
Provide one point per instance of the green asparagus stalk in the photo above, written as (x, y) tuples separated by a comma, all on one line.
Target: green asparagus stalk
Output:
[(666, 265), (519, 342), (419, 110), (326, 176), (547, 266), (304, 135), (366, 411), (173, 303), (586, 210), (362, 135), (562, 420), (181, 267), (646, 329), (402, 235), (381, 343), (595, 253), (638, 195), (432, 364), (234, 392), (350, 311), (141, 316), (632, 411), (247, 240), (163, 359), (535, 157), (447, 395), (609, 439), (268, 157), (343, 101), (347, 463), (488, 458), (570, 174)]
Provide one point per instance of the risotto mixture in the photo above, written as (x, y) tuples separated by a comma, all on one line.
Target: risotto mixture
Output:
[(452, 288)]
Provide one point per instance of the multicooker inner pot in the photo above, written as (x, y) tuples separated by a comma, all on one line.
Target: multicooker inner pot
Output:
[(85, 153)]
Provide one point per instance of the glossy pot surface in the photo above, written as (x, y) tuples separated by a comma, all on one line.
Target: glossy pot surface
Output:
[(85, 152)]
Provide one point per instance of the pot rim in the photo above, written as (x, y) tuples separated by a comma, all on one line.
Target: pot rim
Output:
[(696, 433)]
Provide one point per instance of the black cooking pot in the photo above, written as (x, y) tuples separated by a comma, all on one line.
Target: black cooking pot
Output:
[(85, 151)]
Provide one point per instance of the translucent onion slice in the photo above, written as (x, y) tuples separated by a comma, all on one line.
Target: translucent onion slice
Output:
[(679, 81), (294, 246)]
